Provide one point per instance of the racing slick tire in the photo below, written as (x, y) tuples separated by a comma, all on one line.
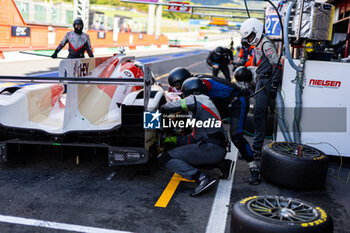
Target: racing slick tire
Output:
[(281, 165), (249, 126), (276, 214)]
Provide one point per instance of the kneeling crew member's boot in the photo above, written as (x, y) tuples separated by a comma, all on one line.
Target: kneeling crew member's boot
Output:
[(203, 182)]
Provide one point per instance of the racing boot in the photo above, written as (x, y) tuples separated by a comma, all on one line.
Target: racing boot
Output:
[(255, 176), (226, 167), (203, 182)]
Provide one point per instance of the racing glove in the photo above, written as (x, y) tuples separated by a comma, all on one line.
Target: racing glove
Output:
[(169, 140)]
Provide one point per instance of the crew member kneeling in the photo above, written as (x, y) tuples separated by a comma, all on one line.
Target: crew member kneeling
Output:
[(205, 146), (231, 101)]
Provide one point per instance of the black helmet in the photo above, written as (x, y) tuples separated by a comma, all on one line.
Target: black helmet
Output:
[(177, 76), (219, 51), (242, 74), (78, 21), (193, 86)]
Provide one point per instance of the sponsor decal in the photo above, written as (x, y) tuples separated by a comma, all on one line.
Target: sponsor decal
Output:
[(101, 35), (269, 51), (182, 8), (128, 73), (20, 31), (248, 199), (320, 83), (80, 69)]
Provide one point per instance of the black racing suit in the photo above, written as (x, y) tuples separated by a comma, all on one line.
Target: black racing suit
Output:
[(222, 61), (205, 146), (266, 58), (78, 44), (232, 102)]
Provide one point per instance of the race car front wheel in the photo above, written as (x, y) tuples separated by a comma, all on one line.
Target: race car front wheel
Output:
[(276, 214), (294, 166)]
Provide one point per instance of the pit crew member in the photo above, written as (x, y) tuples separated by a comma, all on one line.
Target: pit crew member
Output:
[(79, 42), (219, 59), (205, 146), (231, 101), (266, 58)]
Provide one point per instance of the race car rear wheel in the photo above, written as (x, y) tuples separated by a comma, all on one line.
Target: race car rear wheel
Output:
[(276, 214), (294, 166)]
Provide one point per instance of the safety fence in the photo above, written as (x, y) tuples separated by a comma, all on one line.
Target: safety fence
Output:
[(40, 37)]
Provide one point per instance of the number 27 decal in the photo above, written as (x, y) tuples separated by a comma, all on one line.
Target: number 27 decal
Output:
[(272, 25)]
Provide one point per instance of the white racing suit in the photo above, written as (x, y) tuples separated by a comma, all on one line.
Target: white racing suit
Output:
[(266, 58), (205, 145)]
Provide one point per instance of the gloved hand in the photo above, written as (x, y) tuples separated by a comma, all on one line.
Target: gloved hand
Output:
[(166, 143), (168, 140), (54, 55)]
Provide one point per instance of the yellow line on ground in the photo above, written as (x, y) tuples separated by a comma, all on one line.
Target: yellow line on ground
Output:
[(162, 76), (170, 190), (194, 64)]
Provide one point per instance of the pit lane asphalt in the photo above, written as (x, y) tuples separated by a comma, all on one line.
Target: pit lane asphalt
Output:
[(47, 184)]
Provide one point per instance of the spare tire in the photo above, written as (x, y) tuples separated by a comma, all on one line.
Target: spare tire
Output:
[(275, 214), (294, 166)]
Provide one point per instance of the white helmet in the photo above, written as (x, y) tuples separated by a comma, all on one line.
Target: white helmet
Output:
[(252, 25)]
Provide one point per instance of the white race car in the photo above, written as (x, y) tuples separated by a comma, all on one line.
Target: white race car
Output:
[(101, 108)]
